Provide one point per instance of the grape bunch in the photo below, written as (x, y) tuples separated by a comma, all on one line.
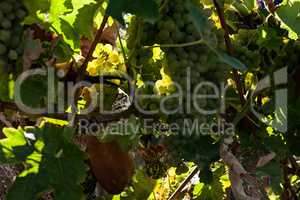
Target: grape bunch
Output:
[(12, 13), (246, 51), (188, 64)]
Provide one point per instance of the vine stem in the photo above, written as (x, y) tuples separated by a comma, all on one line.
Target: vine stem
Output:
[(175, 45), (230, 50), (100, 118), (184, 183), (92, 48)]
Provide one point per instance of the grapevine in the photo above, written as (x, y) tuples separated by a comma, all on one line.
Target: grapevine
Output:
[(149, 99)]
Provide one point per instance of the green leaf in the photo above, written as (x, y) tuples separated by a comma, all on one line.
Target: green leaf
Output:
[(206, 176), (289, 15), (231, 61), (26, 188), (276, 144), (14, 148), (125, 132), (142, 187), (69, 18), (56, 164), (37, 87), (213, 190), (198, 18), (70, 34), (35, 8), (147, 9), (83, 20), (274, 172)]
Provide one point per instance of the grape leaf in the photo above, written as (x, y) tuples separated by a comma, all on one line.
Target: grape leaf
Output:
[(69, 18), (200, 21), (85, 15), (34, 9), (274, 171), (198, 18), (14, 148), (37, 84), (146, 9), (142, 187), (56, 163), (125, 132), (206, 176), (289, 15), (231, 61), (213, 190)]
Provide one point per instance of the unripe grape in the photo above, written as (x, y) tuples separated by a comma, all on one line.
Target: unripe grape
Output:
[(190, 38), (18, 4), (6, 7), (184, 55), (186, 18), (169, 25), (2, 62), (20, 13), (160, 24), (163, 35), (178, 36), (12, 55), (15, 42), (177, 16), (190, 28), (11, 16), (6, 24), (2, 49), (4, 35), (1, 15), (180, 23), (193, 56), (184, 63)]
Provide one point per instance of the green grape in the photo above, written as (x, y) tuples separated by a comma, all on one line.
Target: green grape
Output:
[(169, 25), (2, 49), (190, 38), (193, 56), (18, 4), (6, 7), (12, 55), (11, 16), (179, 8), (12, 12), (2, 62), (177, 36), (1, 15), (160, 24), (180, 23), (186, 18), (190, 28), (15, 41), (6, 24), (20, 13), (176, 16), (4, 35), (163, 35), (184, 55), (174, 27)]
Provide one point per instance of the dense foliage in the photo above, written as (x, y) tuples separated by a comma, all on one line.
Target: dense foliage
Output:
[(150, 99)]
